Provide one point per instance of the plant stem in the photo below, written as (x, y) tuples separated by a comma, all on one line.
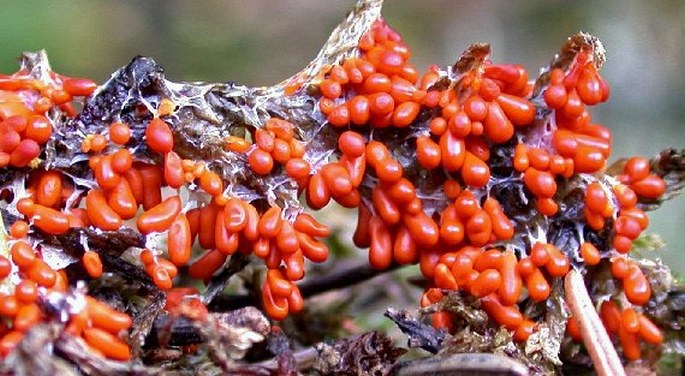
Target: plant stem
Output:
[(596, 340)]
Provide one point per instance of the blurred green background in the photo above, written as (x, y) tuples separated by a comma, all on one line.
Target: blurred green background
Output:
[(260, 42)]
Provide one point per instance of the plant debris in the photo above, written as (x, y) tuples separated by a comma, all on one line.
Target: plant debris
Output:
[(493, 184), (370, 353)]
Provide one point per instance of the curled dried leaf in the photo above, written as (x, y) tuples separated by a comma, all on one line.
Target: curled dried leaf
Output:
[(229, 335), (420, 335)]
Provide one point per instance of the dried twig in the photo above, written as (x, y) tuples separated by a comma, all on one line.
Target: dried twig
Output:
[(304, 359), (218, 283), (463, 365), (596, 340)]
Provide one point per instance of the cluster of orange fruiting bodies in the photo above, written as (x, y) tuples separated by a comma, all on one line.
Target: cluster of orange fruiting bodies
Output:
[(123, 185), (24, 130), (463, 245), (460, 246)]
